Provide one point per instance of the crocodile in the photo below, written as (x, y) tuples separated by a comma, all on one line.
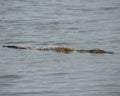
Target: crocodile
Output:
[(94, 51), (65, 50)]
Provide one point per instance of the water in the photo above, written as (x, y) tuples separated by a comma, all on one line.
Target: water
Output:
[(72, 23)]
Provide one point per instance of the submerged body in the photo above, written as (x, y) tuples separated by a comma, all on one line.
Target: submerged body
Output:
[(63, 49), (16, 47), (95, 51)]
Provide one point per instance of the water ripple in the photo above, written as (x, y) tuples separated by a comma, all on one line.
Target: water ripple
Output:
[(9, 76)]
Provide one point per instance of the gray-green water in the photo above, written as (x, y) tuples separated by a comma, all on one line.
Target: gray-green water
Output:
[(73, 23)]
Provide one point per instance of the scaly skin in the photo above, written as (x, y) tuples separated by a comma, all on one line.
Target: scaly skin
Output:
[(65, 50)]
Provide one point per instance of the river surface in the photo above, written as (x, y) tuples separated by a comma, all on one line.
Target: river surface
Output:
[(78, 24)]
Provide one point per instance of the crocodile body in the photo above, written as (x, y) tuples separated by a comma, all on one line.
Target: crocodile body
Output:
[(62, 49)]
